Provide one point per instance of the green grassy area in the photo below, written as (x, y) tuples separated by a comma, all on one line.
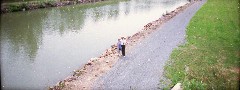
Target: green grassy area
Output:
[(210, 58)]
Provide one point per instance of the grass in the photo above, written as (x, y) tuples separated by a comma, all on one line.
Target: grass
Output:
[(210, 58)]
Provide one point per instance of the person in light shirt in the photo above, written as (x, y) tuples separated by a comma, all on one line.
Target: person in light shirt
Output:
[(123, 45)]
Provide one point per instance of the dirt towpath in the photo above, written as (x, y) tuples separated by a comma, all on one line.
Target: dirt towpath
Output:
[(143, 66)]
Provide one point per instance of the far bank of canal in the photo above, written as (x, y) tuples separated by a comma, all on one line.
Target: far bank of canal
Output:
[(41, 47)]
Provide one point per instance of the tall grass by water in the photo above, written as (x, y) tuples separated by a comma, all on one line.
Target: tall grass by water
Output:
[(210, 58), (18, 5)]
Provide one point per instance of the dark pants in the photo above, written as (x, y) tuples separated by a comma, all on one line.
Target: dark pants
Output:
[(123, 50)]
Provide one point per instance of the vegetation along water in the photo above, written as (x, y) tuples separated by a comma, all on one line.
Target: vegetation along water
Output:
[(18, 5)]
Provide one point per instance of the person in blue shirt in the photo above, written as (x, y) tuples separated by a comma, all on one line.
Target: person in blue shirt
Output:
[(119, 46)]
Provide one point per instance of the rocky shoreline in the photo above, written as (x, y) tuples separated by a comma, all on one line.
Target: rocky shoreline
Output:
[(84, 77)]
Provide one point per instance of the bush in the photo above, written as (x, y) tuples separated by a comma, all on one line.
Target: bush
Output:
[(42, 5), (14, 7)]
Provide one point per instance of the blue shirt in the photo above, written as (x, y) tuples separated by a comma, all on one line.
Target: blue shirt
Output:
[(119, 45)]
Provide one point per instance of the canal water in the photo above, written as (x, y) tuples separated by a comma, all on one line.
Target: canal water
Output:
[(41, 47)]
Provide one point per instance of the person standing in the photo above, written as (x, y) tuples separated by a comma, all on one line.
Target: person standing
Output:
[(123, 45), (119, 46)]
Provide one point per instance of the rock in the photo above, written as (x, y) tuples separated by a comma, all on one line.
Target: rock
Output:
[(128, 37), (177, 87), (89, 63), (167, 13), (113, 46), (93, 59), (107, 61), (70, 79)]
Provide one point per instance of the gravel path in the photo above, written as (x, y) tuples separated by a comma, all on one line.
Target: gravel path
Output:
[(143, 67)]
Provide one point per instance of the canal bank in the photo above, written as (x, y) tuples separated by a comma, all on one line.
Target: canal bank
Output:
[(111, 71), (7, 7)]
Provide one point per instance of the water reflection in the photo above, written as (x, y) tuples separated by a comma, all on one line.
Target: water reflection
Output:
[(144, 5), (103, 13), (24, 30), (126, 8), (23, 33)]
